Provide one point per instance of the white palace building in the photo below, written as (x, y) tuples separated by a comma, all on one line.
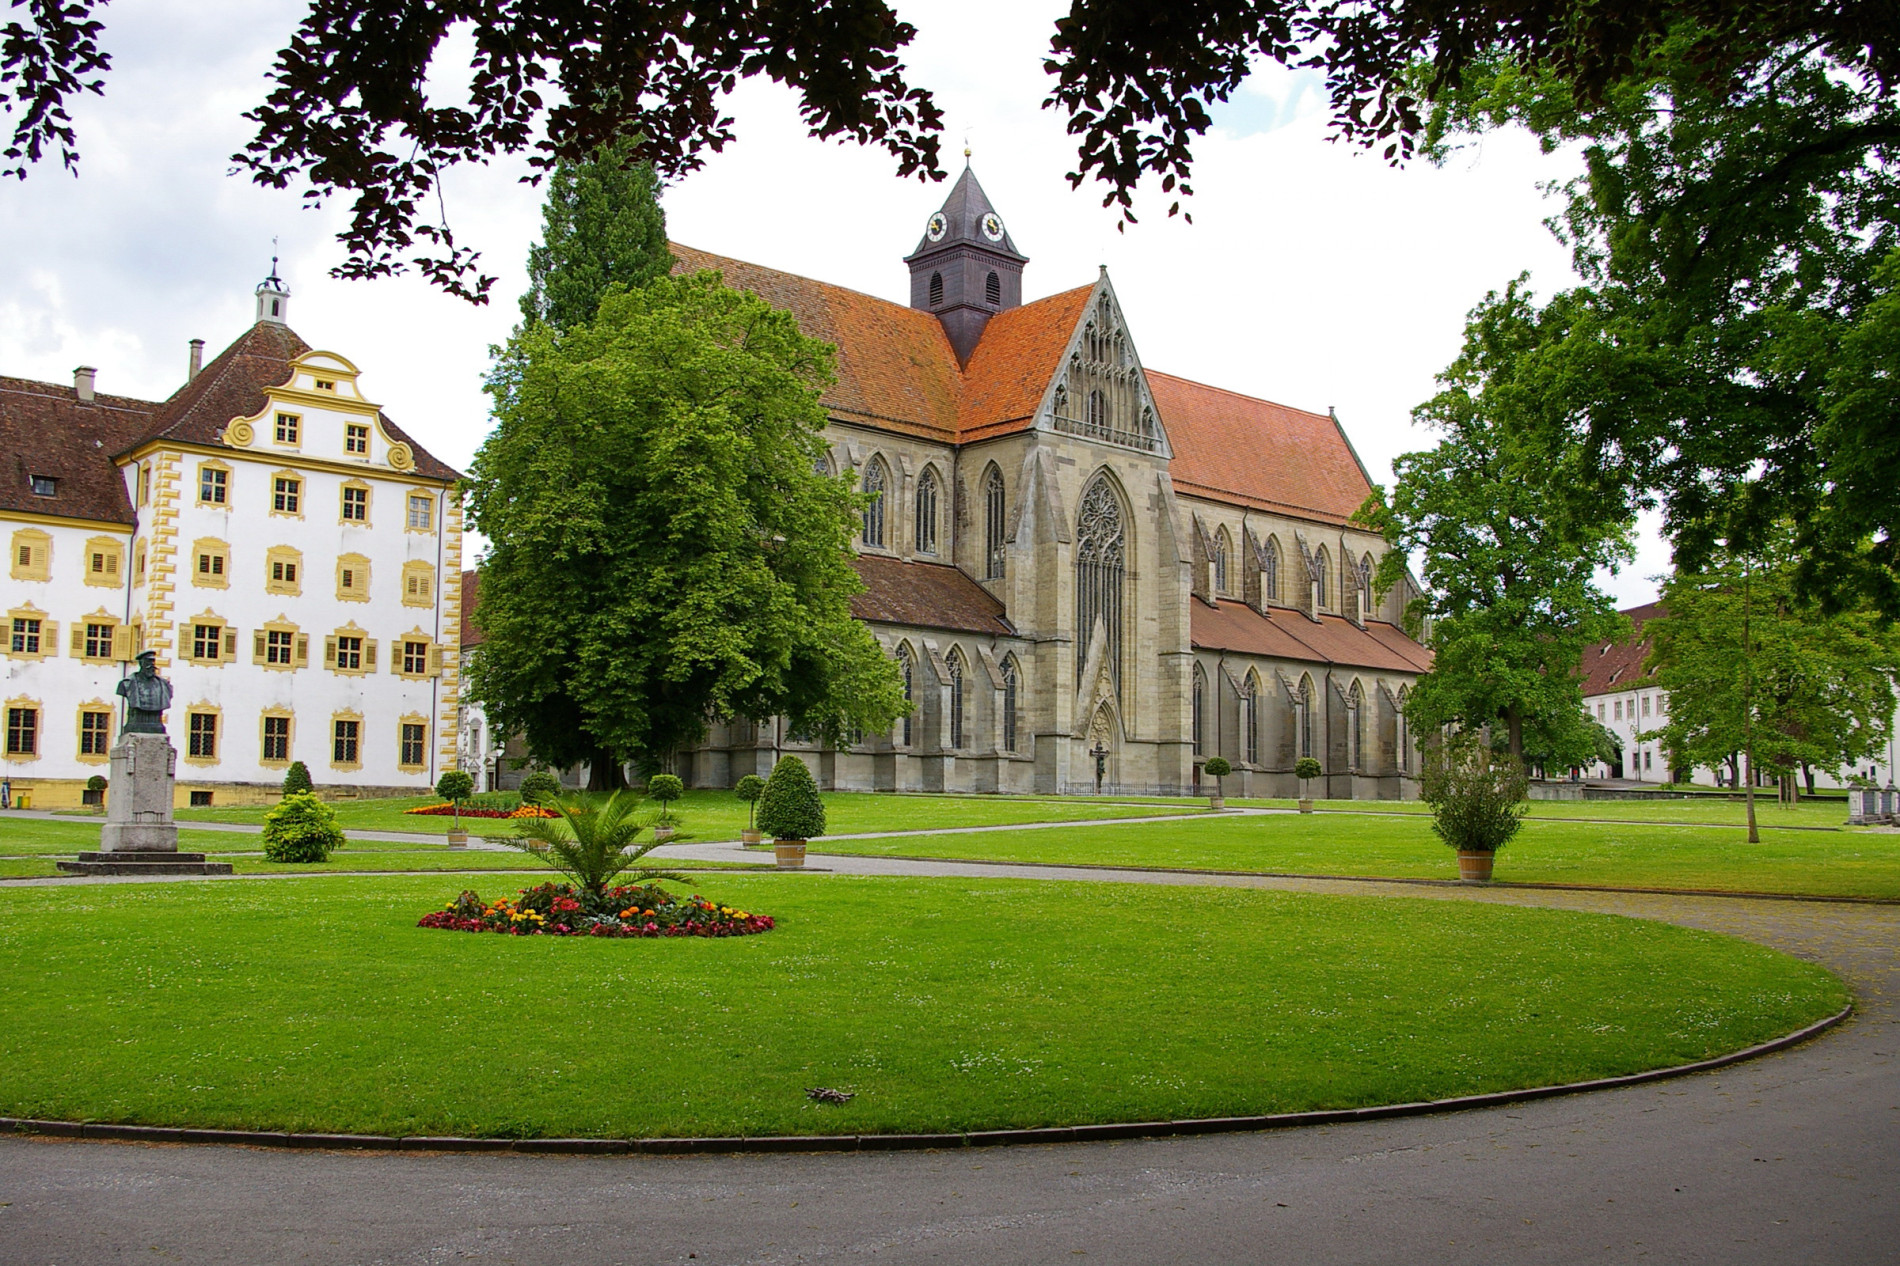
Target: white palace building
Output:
[(290, 554)]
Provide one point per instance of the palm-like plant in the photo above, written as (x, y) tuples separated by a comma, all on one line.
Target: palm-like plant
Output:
[(592, 841)]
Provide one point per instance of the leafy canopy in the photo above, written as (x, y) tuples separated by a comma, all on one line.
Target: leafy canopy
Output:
[(1508, 600), (601, 226), (1729, 356), (661, 548), (1751, 666), (357, 102)]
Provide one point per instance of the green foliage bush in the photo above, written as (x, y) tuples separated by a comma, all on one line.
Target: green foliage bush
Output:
[(301, 829), (665, 788), (1306, 768), (1217, 767), (455, 786), (96, 783), (540, 787), (297, 778), (790, 808), (1476, 794)]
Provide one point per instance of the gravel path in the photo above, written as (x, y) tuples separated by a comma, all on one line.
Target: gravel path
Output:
[(1792, 1158)]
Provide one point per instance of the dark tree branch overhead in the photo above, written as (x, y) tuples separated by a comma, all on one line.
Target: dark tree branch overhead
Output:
[(351, 113)]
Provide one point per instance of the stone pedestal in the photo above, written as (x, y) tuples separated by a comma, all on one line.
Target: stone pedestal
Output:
[(139, 810), (139, 836)]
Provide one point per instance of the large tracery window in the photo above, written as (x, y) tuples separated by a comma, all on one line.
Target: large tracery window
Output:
[(927, 512), (994, 527), (877, 481), (1100, 573)]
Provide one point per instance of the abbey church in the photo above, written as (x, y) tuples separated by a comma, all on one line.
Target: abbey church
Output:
[(1090, 573)]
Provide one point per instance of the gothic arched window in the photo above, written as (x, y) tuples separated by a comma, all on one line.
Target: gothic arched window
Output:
[(907, 670), (936, 289), (1100, 570), (1010, 679), (1270, 570), (927, 511), (994, 527), (1303, 715), (1320, 565), (1405, 736), (877, 482), (1250, 719), (955, 662), (1097, 419), (993, 290), (1365, 588), (1356, 728), (1200, 710), (1220, 562)]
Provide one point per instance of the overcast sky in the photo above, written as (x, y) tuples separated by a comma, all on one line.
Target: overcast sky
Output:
[(1312, 274)]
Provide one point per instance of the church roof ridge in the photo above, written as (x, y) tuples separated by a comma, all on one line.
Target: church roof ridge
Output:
[(1229, 391)]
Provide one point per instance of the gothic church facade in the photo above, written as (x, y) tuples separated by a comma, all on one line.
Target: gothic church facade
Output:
[(1089, 572)]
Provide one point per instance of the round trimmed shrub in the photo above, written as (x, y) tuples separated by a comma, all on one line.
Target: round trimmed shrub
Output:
[(301, 829), (749, 789), (665, 788), (790, 808), (1306, 768), (96, 783), (297, 777), (540, 787), (1217, 767), (455, 786)]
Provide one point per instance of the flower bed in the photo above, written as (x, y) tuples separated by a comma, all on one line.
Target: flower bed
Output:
[(563, 910), (448, 810)]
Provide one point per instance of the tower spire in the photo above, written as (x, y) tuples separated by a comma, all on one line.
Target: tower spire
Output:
[(966, 269), (273, 296)]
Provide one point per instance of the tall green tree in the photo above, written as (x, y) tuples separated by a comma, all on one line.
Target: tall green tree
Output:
[(661, 548), (1728, 356), (1508, 599), (601, 226), (1752, 668)]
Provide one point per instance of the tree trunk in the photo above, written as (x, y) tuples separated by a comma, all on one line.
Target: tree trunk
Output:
[(1748, 776), (603, 771), (1515, 721)]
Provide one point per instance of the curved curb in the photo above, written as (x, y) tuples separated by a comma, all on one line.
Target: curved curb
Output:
[(1738, 894), (890, 1142)]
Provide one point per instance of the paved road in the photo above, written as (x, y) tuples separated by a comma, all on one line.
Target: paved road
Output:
[(1793, 1158)]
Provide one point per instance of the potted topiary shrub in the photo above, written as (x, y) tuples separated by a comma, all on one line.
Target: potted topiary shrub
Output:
[(456, 786), (665, 788), (301, 829), (790, 811), (94, 796), (539, 787), (1217, 768), (1478, 801), (1306, 769), (750, 788), (297, 778)]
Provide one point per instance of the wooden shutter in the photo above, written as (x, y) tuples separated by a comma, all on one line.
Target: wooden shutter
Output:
[(369, 653), (122, 644), (230, 643), (329, 652), (435, 661), (79, 640), (49, 637), (303, 650), (260, 642)]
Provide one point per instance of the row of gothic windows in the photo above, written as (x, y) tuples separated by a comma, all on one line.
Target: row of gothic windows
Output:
[(927, 513), (1302, 721), (1271, 579), (905, 733)]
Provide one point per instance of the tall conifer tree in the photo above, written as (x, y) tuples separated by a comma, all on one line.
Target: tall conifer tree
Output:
[(601, 226)]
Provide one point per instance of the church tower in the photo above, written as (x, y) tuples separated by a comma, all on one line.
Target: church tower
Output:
[(966, 269)]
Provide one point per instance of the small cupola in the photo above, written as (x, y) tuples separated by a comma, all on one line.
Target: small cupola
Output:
[(273, 297), (966, 269)]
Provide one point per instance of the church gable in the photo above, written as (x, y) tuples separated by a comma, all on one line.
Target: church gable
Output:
[(1101, 392)]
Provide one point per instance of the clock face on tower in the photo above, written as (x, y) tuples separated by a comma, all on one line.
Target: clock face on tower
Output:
[(936, 228), (992, 227)]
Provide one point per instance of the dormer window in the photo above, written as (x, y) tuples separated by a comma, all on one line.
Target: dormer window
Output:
[(45, 486), (287, 427)]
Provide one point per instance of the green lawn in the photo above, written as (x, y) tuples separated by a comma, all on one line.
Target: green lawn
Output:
[(719, 815), (1809, 813), (1832, 863), (944, 1004)]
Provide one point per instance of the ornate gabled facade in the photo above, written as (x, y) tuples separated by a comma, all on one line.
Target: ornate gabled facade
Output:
[(1077, 559), (291, 555)]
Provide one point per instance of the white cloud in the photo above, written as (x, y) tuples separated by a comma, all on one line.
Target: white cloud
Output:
[(1313, 273)]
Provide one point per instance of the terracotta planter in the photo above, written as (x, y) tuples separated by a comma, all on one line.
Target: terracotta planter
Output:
[(1474, 866), (1217, 802), (751, 838), (1306, 806), (458, 837), (661, 834), (790, 853)]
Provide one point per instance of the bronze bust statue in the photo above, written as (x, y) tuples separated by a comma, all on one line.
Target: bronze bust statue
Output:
[(147, 695)]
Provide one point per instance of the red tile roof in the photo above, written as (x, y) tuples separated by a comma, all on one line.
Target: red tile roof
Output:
[(471, 594), (1014, 363), (232, 386), (1235, 626), (925, 595), (1235, 448), (1611, 667), (46, 430)]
